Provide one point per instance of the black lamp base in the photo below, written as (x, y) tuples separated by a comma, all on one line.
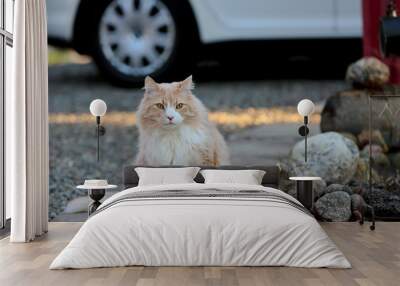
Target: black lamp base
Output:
[(305, 193), (100, 130), (303, 130), (96, 195)]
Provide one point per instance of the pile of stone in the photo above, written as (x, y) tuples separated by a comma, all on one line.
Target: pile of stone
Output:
[(340, 155), (342, 161), (349, 113)]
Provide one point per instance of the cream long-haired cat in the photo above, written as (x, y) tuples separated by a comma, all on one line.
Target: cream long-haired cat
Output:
[(174, 128)]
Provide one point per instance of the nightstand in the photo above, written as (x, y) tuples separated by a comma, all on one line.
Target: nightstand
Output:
[(304, 190), (96, 193)]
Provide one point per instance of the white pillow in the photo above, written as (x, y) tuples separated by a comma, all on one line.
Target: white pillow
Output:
[(163, 176), (248, 177)]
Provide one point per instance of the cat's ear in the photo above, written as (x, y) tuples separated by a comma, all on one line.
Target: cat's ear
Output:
[(187, 84), (150, 84)]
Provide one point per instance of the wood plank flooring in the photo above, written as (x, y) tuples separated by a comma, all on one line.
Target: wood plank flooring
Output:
[(375, 257)]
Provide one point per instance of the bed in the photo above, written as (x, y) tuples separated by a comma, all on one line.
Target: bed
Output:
[(199, 224)]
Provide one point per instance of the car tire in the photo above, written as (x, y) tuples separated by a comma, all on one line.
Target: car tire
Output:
[(174, 65)]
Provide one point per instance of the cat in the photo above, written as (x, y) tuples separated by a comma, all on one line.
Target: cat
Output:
[(174, 128)]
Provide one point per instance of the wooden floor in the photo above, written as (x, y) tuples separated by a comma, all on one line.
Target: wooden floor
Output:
[(375, 257)]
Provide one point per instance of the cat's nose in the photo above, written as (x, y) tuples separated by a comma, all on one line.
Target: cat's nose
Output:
[(170, 118)]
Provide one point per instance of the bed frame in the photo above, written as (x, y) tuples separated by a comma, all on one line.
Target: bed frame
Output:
[(270, 179)]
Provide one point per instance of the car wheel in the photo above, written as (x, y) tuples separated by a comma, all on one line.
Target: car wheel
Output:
[(136, 38)]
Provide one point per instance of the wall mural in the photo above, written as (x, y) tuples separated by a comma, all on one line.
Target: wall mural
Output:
[(173, 123)]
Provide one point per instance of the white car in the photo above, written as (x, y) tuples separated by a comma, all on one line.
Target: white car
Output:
[(129, 39)]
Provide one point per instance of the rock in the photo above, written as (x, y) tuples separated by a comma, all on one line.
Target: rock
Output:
[(337, 188), (357, 202), (348, 111), (362, 173), (331, 156), (392, 183), (358, 207), (359, 189), (334, 206), (385, 203), (350, 136), (376, 139), (379, 160), (375, 150), (368, 72), (395, 160)]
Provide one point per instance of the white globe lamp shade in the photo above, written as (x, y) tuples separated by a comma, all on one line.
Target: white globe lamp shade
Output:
[(305, 107), (98, 107)]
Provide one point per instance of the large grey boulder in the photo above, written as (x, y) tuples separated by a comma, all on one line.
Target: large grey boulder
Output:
[(334, 206), (337, 188), (348, 111), (331, 156)]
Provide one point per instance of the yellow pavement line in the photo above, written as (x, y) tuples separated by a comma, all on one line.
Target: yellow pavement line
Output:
[(237, 117)]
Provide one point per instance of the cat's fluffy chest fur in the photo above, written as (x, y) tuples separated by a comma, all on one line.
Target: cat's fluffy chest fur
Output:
[(179, 146)]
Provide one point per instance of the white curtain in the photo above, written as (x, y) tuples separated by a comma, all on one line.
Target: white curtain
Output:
[(27, 124)]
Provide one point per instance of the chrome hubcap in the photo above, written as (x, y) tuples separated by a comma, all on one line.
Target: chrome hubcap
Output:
[(137, 36)]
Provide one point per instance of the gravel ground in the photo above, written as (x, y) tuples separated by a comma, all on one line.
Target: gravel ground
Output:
[(73, 146), (73, 159), (72, 88)]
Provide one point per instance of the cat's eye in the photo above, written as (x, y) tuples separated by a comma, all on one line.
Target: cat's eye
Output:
[(179, 105), (160, 105)]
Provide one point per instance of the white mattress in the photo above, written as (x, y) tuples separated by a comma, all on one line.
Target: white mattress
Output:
[(200, 231)]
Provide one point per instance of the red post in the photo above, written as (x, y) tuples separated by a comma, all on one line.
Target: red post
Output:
[(373, 10)]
